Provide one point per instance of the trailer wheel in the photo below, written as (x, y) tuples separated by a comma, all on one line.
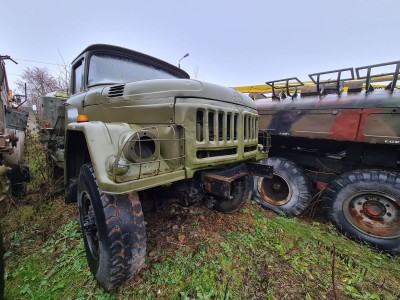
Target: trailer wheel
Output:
[(365, 206), (113, 231), (287, 192), (241, 193)]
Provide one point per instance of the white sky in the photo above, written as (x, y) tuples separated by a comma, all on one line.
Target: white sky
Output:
[(231, 43)]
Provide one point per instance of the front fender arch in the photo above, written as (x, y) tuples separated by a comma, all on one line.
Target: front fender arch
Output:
[(89, 142)]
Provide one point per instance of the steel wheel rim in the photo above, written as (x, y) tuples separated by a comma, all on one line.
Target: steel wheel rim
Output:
[(374, 213), (89, 226), (276, 191)]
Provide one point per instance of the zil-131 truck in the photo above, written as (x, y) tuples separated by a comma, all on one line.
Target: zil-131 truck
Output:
[(140, 133)]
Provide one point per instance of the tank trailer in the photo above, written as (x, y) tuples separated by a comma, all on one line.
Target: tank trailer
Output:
[(339, 133)]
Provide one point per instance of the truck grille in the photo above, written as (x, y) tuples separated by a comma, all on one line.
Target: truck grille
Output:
[(220, 129), (216, 126), (250, 127)]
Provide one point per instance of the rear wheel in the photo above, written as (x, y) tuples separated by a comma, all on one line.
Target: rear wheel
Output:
[(365, 205), (113, 231), (287, 192)]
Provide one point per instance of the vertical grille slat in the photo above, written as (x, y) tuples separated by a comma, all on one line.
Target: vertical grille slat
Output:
[(211, 127), (229, 126), (221, 128), (200, 126), (235, 121)]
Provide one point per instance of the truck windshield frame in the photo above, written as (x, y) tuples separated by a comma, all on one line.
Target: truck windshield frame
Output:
[(110, 68)]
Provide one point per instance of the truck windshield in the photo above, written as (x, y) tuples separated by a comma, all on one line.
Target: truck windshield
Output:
[(112, 69)]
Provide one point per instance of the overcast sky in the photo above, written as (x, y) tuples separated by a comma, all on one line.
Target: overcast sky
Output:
[(231, 43)]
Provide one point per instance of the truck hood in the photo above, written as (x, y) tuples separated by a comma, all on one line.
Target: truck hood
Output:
[(165, 88)]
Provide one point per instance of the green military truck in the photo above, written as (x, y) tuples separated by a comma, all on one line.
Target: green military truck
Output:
[(138, 133)]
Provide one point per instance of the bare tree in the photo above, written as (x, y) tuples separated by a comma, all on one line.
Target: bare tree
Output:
[(39, 82), (196, 73), (64, 75)]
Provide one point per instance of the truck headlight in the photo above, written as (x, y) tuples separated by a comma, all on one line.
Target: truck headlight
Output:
[(143, 146)]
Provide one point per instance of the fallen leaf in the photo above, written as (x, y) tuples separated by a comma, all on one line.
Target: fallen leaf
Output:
[(181, 237)]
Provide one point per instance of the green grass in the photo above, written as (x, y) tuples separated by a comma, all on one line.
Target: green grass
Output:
[(36, 155), (260, 257), (46, 274)]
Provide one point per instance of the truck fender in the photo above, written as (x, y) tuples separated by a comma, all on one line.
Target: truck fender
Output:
[(93, 142)]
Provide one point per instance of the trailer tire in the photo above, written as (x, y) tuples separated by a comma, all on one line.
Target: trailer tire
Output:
[(287, 192), (241, 193), (358, 201), (113, 231)]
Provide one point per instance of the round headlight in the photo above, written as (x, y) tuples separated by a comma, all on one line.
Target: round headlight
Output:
[(142, 147)]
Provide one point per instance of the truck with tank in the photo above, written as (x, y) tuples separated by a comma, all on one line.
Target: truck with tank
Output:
[(138, 134), (340, 134)]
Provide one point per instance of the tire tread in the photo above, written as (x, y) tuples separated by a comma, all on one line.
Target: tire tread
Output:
[(300, 179), (123, 218), (330, 196)]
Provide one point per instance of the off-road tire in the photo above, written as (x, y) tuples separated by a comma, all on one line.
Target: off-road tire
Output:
[(287, 192), (113, 231), (356, 201), (241, 193)]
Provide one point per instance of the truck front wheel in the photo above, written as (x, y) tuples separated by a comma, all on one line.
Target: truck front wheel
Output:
[(240, 194), (365, 205), (113, 231), (287, 192)]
